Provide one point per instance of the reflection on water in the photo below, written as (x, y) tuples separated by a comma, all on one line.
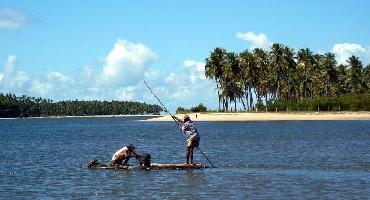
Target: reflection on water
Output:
[(42, 158)]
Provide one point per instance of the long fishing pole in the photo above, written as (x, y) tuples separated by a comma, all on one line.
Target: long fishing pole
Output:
[(165, 109), (206, 157)]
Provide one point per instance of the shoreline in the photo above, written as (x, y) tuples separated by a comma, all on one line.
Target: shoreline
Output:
[(271, 116), (87, 116), (237, 116)]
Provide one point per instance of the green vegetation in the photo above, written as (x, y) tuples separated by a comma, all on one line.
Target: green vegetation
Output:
[(283, 79), (13, 106), (199, 108), (346, 102)]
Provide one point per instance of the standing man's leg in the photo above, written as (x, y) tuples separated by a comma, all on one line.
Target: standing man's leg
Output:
[(194, 143), (191, 154), (188, 148)]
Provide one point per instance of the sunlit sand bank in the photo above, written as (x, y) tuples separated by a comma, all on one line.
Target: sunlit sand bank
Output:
[(86, 116), (271, 116)]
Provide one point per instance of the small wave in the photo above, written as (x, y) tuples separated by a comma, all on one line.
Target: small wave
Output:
[(342, 168)]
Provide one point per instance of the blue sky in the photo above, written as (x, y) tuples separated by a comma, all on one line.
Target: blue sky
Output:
[(105, 49)]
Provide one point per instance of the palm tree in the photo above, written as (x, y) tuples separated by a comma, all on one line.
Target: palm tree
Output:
[(305, 62), (290, 68), (355, 68), (278, 67), (365, 79), (214, 67), (280, 73), (318, 86), (261, 75), (329, 73), (248, 75), (283, 63), (343, 82), (230, 79)]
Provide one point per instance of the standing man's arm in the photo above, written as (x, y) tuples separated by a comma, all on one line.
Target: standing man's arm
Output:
[(177, 119), (179, 122)]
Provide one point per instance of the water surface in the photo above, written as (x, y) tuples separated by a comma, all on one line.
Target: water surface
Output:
[(42, 158)]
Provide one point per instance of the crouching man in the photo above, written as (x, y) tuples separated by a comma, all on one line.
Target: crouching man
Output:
[(144, 159), (124, 154)]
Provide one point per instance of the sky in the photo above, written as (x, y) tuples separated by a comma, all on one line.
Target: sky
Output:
[(105, 50)]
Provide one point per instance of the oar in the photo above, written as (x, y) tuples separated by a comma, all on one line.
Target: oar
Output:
[(165, 109)]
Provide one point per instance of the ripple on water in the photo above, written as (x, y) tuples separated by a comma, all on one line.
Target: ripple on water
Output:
[(42, 158)]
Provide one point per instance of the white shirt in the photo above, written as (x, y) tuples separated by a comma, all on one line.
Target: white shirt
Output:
[(118, 152)]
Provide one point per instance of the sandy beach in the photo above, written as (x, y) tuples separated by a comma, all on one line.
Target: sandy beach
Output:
[(271, 116), (85, 116), (250, 116)]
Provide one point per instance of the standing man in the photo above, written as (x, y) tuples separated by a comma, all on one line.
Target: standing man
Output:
[(125, 153), (188, 128)]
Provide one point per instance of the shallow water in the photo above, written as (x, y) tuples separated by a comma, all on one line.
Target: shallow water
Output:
[(42, 158)]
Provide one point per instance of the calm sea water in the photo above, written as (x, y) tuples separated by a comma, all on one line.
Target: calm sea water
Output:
[(42, 158)]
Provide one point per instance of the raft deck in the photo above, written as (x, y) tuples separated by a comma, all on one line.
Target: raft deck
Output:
[(175, 166)]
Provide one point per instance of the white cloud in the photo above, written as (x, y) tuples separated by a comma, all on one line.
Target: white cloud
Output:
[(199, 66), (182, 94), (152, 74), (11, 78), (57, 77), (197, 69), (185, 87), (345, 50), (126, 63), (126, 93), (41, 88), (171, 78), (9, 66), (12, 19), (54, 85), (256, 40), (123, 71), (188, 87)]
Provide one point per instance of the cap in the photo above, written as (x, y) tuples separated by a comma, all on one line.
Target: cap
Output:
[(186, 118)]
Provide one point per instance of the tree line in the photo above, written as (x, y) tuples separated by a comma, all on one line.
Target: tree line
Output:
[(199, 108), (24, 106), (261, 78)]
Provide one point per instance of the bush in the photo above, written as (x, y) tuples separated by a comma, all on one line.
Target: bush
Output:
[(348, 102), (260, 106), (199, 108), (180, 110)]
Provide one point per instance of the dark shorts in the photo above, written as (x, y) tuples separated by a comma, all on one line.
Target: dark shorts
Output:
[(192, 143)]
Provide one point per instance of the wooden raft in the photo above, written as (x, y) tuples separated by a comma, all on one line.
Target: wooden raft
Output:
[(177, 166), (174, 166)]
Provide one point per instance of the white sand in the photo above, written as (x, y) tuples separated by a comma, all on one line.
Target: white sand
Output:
[(271, 116)]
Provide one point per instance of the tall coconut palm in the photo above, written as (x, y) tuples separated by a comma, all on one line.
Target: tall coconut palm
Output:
[(290, 68), (230, 79), (248, 75), (261, 75), (214, 67), (305, 62), (317, 76), (355, 68), (329, 73), (279, 68), (365, 79), (343, 81)]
